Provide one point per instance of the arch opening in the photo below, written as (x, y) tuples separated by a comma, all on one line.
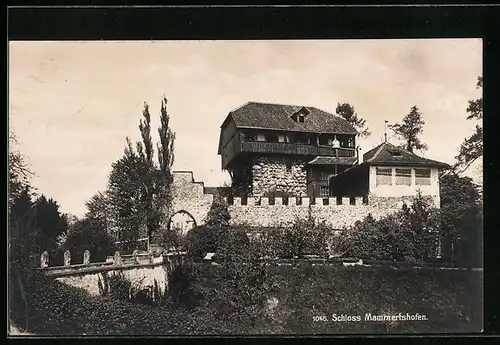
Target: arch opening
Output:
[(181, 220)]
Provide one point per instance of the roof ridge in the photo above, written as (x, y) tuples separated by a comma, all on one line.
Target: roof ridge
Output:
[(328, 112), (376, 152), (241, 106), (283, 104)]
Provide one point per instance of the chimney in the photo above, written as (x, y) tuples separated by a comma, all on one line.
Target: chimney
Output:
[(385, 131), (360, 155)]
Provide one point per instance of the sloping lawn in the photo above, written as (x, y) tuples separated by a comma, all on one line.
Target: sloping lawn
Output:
[(450, 300)]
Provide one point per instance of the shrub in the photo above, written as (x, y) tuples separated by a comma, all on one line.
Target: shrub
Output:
[(232, 241), (304, 237), (201, 240), (173, 238), (218, 215), (236, 289), (408, 235), (182, 282), (115, 285)]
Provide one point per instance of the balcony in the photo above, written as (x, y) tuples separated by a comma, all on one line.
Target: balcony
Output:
[(236, 146)]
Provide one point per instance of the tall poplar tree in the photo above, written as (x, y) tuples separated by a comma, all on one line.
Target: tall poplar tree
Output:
[(139, 187)]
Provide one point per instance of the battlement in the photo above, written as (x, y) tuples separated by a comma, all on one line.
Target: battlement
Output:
[(339, 212), (294, 201)]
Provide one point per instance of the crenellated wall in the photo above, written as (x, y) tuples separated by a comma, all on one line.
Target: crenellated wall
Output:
[(263, 211), (336, 212)]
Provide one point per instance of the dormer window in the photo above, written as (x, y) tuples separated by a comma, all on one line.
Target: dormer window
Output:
[(394, 153), (300, 116)]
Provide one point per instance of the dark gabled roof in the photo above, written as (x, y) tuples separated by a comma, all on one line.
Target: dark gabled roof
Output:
[(327, 160), (388, 154), (278, 117)]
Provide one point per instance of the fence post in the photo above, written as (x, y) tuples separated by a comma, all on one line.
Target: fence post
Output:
[(44, 259), (86, 257), (67, 258), (117, 259), (134, 255)]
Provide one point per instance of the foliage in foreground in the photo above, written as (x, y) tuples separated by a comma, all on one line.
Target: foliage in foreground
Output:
[(447, 298)]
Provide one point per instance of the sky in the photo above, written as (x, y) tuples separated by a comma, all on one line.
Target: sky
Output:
[(72, 104)]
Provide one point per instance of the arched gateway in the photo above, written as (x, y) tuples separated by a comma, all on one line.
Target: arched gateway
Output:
[(181, 220)]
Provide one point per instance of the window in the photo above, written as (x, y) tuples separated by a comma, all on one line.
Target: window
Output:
[(325, 176), (301, 118), (324, 192), (272, 138), (261, 137), (249, 136), (403, 176), (283, 139), (422, 176), (289, 167), (350, 142), (384, 176), (394, 153)]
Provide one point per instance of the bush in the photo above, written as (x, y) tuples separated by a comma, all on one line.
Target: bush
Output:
[(410, 235), (182, 282), (201, 240), (218, 215), (232, 241), (304, 237), (115, 286)]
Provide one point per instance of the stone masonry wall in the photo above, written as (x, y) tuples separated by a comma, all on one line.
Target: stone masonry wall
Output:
[(189, 196), (258, 211), (139, 276), (272, 174), (334, 214)]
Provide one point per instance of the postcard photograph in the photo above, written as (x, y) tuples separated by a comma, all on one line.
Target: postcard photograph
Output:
[(267, 187)]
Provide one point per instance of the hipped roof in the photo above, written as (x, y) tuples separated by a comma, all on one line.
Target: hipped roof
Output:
[(388, 154)]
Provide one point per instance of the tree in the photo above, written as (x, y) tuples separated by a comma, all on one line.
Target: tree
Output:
[(19, 172), (461, 210), (139, 189), (124, 196), (50, 222), (347, 112), (472, 147), (410, 129), (89, 234), (97, 205), (23, 227), (218, 215)]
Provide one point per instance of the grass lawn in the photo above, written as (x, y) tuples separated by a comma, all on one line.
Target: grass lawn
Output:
[(305, 295)]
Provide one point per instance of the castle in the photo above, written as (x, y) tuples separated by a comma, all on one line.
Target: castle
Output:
[(288, 161)]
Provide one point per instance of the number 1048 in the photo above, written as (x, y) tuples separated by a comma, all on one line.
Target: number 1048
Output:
[(319, 318)]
